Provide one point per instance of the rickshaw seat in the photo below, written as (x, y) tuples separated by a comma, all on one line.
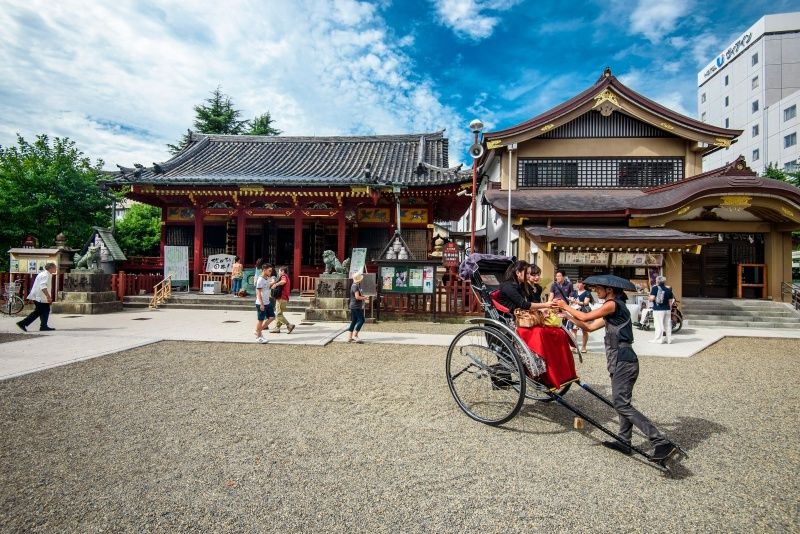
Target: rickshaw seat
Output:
[(553, 346), (499, 307)]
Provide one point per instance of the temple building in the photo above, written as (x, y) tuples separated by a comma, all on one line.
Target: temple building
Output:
[(612, 181), (287, 199)]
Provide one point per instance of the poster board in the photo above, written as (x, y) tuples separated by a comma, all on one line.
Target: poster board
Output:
[(404, 278), (358, 261), (176, 263), (220, 263)]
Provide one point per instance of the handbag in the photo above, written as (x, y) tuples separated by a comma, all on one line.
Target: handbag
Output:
[(527, 318), (551, 319), (275, 292)]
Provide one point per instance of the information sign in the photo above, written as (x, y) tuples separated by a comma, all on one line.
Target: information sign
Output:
[(358, 261), (450, 255), (176, 263), (220, 263), (407, 278)]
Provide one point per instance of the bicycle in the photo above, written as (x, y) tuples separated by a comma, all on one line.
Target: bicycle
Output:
[(12, 303)]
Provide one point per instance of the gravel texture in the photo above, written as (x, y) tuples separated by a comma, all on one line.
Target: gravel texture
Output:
[(8, 338), (206, 437)]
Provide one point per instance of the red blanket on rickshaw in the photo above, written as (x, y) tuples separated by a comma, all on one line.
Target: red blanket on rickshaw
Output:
[(553, 346)]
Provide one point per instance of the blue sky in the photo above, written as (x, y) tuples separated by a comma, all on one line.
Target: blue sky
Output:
[(121, 78)]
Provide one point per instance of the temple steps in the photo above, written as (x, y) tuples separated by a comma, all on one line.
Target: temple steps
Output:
[(737, 313), (199, 301)]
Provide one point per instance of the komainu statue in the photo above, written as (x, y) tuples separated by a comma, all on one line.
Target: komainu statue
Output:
[(90, 260), (333, 265)]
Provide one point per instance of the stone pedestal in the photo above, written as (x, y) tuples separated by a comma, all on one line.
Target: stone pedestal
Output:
[(87, 293), (330, 302)]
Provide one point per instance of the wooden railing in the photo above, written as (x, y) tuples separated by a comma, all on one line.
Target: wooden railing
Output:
[(223, 279), (307, 285), (454, 298), (161, 292), (755, 273)]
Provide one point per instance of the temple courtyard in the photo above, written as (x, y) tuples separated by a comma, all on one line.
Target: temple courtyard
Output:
[(160, 432)]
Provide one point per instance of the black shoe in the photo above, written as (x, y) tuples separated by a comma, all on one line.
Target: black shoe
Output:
[(619, 447), (46, 329), (663, 451), (22, 326)]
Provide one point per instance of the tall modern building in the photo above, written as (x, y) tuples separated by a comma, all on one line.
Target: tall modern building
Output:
[(754, 85)]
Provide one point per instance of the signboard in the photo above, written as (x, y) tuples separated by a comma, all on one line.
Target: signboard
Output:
[(450, 255), (637, 259), (176, 263), (358, 261), (407, 279), (583, 258), (220, 263)]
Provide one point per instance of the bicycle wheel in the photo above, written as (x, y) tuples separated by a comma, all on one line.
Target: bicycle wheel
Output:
[(15, 305), (677, 322), (485, 375)]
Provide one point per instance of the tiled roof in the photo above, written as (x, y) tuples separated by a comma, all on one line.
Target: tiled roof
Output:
[(111, 244), (406, 160)]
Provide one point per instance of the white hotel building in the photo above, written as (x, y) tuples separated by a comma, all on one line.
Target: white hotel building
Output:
[(754, 85)]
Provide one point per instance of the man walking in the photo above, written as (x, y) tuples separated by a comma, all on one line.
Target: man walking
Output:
[(265, 312), (42, 296), (661, 296), (282, 288)]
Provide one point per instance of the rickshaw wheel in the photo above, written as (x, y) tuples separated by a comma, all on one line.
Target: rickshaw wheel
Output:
[(485, 375)]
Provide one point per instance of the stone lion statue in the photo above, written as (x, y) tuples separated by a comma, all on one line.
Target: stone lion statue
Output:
[(333, 265), (90, 260)]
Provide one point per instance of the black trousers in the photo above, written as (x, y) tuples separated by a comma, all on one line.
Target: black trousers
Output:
[(41, 311), (622, 382)]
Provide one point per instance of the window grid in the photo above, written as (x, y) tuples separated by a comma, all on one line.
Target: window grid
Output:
[(755, 131), (754, 82), (702, 98), (754, 59), (755, 155), (726, 101), (755, 106), (790, 140), (598, 172), (790, 113)]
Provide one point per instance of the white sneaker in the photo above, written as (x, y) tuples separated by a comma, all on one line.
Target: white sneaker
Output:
[(262, 340), (656, 341)]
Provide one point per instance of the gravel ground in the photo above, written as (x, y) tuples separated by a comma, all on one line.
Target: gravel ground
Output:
[(202, 437), (415, 326), (8, 338)]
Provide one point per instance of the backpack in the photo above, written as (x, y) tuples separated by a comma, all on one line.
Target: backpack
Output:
[(660, 295)]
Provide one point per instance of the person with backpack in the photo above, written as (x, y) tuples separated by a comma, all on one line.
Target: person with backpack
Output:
[(661, 296)]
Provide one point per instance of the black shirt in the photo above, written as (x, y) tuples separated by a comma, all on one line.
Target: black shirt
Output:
[(512, 297)]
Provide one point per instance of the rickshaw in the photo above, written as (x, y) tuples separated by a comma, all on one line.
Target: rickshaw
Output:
[(492, 366)]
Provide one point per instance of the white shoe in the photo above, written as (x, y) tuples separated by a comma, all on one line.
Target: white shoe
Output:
[(262, 340), (656, 341), (669, 342)]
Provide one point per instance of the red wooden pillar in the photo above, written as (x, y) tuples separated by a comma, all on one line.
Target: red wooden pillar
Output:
[(163, 233), (298, 248), (198, 244), (241, 226), (341, 249)]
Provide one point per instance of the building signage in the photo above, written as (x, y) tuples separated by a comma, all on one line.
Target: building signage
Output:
[(176, 264), (407, 279), (358, 260), (637, 259), (731, 52), (583, 258), (450, 255), (220, 263)]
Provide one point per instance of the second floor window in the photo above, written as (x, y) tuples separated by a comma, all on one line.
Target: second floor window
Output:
[(790, 112), (754, 106), (790, 140), (755, 155), (598, 172), (726, 101), (727, 123), (754, 132), (754, 59), (754, 82), (702, 98)]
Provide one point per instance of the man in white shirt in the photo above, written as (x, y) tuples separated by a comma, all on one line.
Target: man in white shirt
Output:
[(42, 296)]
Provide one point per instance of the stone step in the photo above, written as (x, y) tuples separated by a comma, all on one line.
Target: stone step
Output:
[(738, 324), (748, 318)]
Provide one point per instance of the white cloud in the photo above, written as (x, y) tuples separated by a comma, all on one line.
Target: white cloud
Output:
[(657, 19), (121, 78), (471, 19)]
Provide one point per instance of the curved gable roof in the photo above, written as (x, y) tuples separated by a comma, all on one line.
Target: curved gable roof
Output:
[(609, 89)]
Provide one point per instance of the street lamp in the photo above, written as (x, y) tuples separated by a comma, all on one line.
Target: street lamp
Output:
[(476, 151)]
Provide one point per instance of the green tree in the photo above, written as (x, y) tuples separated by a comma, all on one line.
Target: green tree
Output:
[(262, 125), (47, 188), (772, 171), (218, 116), (139, 231)]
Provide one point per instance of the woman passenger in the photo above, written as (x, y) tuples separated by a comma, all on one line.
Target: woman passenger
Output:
[(515, 292)]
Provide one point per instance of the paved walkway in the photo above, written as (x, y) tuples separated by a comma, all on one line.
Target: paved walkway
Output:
[(80, 337)]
